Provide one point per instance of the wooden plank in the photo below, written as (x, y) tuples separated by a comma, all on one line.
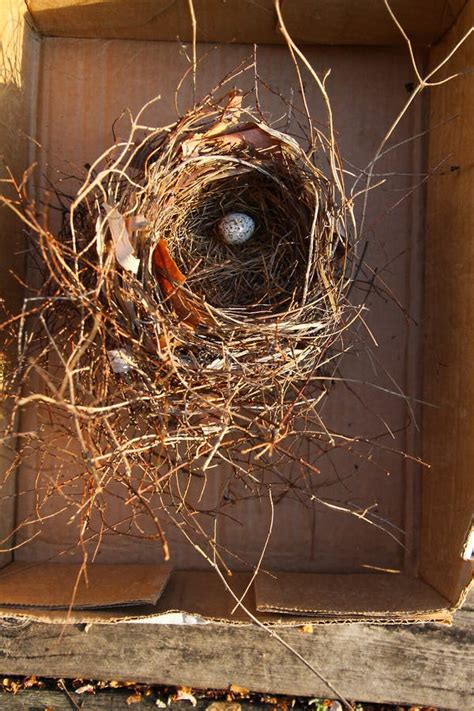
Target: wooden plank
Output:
[(41, 699), (427, 665), (116, 700)]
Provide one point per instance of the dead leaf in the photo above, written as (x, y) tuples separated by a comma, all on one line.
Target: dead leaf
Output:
[(230, 115), (11, 685), (167, 268), (250, 135), (169, 278), (185, 694), (86, 688), (224, 706), (124, 251), (135, 698), (241, 690)]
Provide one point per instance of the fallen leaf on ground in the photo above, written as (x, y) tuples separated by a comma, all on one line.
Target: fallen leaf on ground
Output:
[(224, 706), (185, 694), (236, 689), (135, 698), (86, 688)]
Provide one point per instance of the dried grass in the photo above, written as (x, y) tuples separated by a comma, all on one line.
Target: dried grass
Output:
[(165, 351)]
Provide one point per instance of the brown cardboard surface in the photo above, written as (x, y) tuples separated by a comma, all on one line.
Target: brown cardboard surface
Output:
[(63, 586), (19, 53), (85, 84), (361, 594), (310, 22), (200, 597), (197, 593), (448, 493)]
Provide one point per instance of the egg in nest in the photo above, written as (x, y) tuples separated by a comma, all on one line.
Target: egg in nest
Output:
[(236, 228)]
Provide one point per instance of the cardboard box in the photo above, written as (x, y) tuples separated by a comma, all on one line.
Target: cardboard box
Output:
[(68, 72)]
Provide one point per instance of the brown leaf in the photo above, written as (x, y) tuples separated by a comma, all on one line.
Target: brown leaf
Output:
[(250, 135), (230, 115), (135, 698), (169, 278), (185, 694), (86, 688), (224, 706), (10, 685), (123, 248), (236, 689), (167, 268)]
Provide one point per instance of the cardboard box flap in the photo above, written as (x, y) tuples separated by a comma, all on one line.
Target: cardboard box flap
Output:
[(367, 594), (324, 22), (55, 586), (200, 597), (193, 595), (203, 593)]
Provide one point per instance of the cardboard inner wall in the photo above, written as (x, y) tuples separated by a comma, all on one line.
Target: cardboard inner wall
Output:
[(18, 82), (365, 22), (448, 494)]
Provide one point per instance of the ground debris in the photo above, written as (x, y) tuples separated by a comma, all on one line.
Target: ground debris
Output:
[(130, 693)]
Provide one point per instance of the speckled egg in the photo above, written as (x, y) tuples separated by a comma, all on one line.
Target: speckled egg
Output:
[(236, 228)]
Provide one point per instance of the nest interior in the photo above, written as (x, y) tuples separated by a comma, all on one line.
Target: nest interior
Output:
[(266, 271)]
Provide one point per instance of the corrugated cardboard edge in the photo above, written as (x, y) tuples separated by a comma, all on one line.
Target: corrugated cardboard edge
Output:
[(53, 586), (197, 597), (178, 617), (366, 596)]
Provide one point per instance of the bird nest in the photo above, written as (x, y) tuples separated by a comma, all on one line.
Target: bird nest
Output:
[(171, 350), (222, 318)]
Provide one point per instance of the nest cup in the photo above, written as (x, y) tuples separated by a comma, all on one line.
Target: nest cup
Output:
[(264, 275), (283, 288)]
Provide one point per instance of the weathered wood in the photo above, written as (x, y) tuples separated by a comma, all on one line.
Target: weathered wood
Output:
[(116, 700), (428, 665), (41, 699)]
